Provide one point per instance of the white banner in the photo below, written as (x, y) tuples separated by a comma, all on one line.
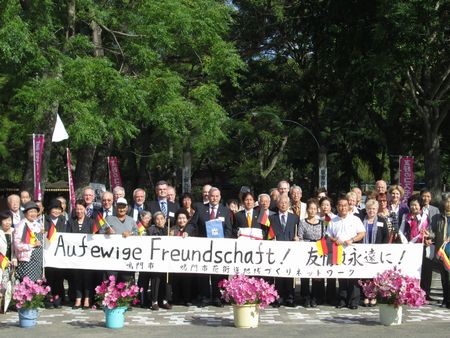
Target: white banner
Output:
[(226, 256)]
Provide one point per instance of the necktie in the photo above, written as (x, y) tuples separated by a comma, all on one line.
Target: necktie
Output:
[(283, 221), (212, 214), (106, 213), (89, 212), (249, 219), (164, 208)]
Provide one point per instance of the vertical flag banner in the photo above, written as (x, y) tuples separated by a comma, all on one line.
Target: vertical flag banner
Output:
[(38, 148), (407, 176), (70, 179), (114, 173)]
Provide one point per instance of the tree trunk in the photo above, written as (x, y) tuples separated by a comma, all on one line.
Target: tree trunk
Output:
[(71, 18), (432, 160), (100, 165), (97, 39), (187, 169), (82, 175)]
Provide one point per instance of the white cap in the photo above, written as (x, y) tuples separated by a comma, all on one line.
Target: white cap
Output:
[(121, 200)]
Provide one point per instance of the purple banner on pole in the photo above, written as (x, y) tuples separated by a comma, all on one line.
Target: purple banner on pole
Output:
[(38, 148), (407, 176)]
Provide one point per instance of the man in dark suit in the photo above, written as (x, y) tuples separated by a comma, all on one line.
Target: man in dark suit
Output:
[(107, 208), (284, 225), (210, 211), (162, 203), (247, 218), (427, 266), (138, 204)]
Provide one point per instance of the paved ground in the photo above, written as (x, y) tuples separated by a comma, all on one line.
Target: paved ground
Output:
[(324, 321)]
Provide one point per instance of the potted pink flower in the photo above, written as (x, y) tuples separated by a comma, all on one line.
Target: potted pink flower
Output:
[(247, 295), (392, 290), (116, 298), (29, 296)]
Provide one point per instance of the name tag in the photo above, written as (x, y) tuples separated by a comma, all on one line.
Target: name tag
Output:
[(380, 224), (171, 214), (222, 219)]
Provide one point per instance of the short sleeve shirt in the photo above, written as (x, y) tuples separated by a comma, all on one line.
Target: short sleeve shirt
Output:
[(345, 228)]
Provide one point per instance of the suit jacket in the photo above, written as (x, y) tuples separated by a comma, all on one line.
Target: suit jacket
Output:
[(438, 231), (60, 223), (86, 228), (153, 206), (242, 222), (131, 210), (432, 211), (288, 233), (102, 211), (198, 226)]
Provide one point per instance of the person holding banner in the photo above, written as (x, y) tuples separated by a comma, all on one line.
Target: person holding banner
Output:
[(82, 279), (54, 222), (284, 226), (311, 229), (28, 237), (160, 294), (415, 228), (346, 229), (213, 211), (247, 218), (144, 276), (182, 282), (124, 225), (440, 226), (326, 215)]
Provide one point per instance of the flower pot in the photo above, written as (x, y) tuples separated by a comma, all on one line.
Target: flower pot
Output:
[(246, 316), (390, 315), (115, 318), (27, 317)]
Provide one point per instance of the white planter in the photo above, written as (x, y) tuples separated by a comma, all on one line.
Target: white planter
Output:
[(390, 315), (246, 316)]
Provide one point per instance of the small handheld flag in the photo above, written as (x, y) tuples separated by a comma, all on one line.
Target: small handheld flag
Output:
[(51, 234), (28, 236), (3, 262), (325, 247), (271, 234), (140, 228), (99, 223), (442, 254)]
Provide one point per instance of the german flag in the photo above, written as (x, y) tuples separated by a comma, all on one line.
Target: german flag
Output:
[(322, 247), (271, 234), (28, 236), (99, 223), (334, 252), (3, 262), (444, 257), (337, 255), (140, 228), (326, 220), (51, 234), (263, 218)]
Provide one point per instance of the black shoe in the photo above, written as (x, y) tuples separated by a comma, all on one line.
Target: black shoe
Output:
[(290, 303), (340, 305), (57, 303), (353, 307), (203, 302), (276, 304), (217, 302), (76, 307), (188, 304), (313, 303), (166, 306), (307, 304)]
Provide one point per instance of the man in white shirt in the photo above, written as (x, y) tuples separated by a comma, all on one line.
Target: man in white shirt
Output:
[(346, 229), (14, 209)]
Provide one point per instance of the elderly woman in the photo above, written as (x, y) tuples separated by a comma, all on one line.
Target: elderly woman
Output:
[(440, 225), (144, 276), (7, 250), (376, 233), (28, 238), (415, 228)]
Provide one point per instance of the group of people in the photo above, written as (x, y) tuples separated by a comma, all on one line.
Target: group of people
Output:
[(381, 218)]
